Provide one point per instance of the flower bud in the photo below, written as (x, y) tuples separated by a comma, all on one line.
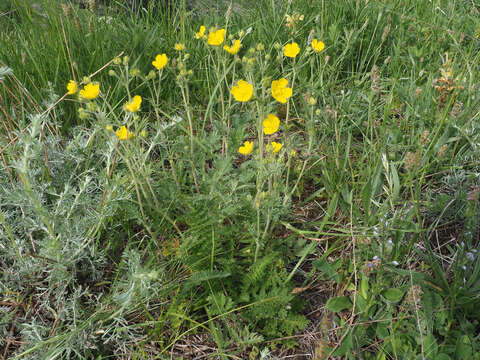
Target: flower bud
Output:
[(151, 75), (134, 72)]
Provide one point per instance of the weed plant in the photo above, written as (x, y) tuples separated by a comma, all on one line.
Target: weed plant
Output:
[(281, 179)]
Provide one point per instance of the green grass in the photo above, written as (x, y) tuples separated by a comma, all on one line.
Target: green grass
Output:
[(357, 240)]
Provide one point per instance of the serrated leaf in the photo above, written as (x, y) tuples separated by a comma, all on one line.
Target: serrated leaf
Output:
[(338, 303)]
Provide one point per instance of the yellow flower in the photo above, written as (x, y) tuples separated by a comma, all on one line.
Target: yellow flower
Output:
[(134, 105), (123, 133), (179, 47), (200, 33), (160, 61), (90, 91), (247, 148), (109, 128), (271, 124), (317, 46), (72, 87), (234, 48), (216, 38), (274, 147), (280, 91), (291, 50), (242, 91)]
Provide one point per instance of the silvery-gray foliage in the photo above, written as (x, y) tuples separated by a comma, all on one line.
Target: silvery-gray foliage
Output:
[(52, 221)]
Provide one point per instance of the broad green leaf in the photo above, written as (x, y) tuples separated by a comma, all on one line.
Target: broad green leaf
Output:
[(382, 330), (338, 303), (430, 346), (364, 287), (442, 356), (463, 349), (393, 294), (329, 269)]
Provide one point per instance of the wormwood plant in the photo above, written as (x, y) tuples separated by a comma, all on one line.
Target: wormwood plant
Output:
[(66, 224)]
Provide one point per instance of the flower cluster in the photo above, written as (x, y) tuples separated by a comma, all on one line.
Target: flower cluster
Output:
[(242, 91)]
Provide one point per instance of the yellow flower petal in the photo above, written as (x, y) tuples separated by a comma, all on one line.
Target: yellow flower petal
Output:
[(271, 124), (242, 91), (216, 38), (274, 147), (123, 133), (291, 50), (179, 47), (90, 91), (247, 148), (72, 87), (235, 48), (280, 91), (317, 45), (160, 61), (134, 105), (200, 33)]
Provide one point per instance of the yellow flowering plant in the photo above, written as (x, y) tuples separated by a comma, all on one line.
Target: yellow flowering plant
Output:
[(274, 147), (90, 91), (242, 91), (280, 91), (235, 48), (160, 61), (200, 33), (246, 148), (123, 133), (216, 38), (134, 104), (72, 87), (317, 45), (179, 47), (291, 50), (270, 124)]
